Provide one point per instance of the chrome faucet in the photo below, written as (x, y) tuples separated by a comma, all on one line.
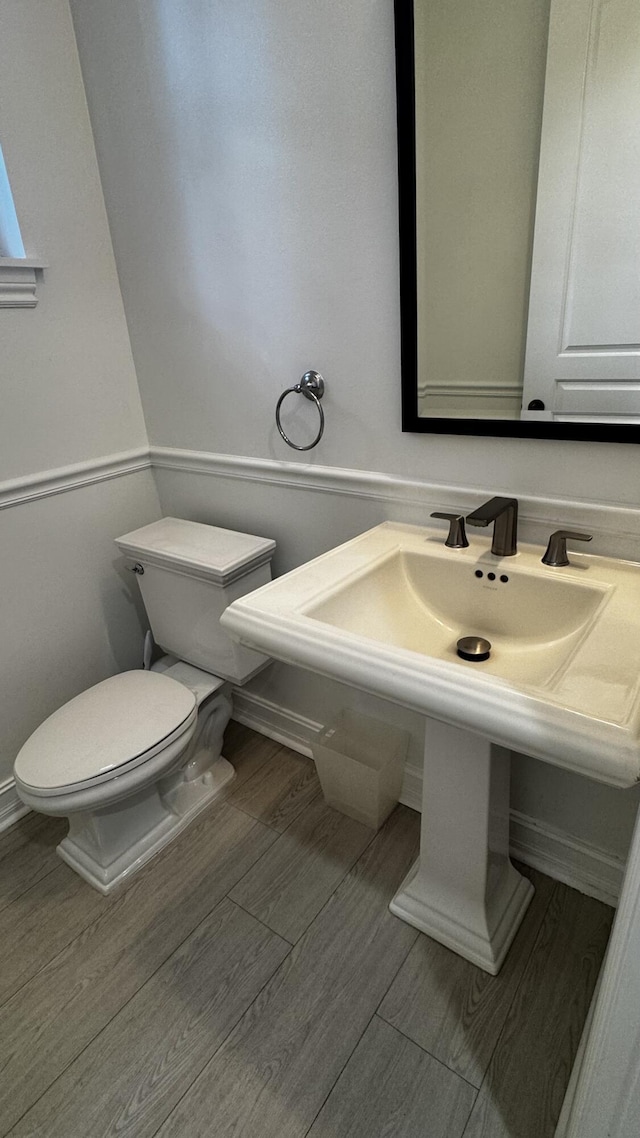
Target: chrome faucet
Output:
[(503, 512)]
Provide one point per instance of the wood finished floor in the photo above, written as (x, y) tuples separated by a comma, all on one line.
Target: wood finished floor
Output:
[(251, 981)]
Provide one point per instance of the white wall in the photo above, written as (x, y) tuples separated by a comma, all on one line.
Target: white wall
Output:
[(248, 159), (69, 387), (68, 615), (69, 394)]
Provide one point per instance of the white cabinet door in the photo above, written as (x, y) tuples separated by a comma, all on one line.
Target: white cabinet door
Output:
[(583, 341)]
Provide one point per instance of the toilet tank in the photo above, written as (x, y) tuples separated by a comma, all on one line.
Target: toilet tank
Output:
[(188, 573)]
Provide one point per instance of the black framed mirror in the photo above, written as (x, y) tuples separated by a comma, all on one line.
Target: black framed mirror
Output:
[(481, 69)]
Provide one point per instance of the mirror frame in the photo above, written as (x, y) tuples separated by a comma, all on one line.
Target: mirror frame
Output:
[(411, 420)]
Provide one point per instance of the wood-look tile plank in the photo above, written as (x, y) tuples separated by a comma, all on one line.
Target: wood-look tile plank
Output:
[(280, 790), (523, 1090), (236, 734), (49, 915), (289, 885), (454, 1010), (390, 1087), (247, 751), (38, 924), (20, 832), (137, 1069), (277, 1067), (27, 853), (273, 1073), (66, 1004)]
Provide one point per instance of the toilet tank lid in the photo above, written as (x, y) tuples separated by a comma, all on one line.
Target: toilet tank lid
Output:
[(221, 555)]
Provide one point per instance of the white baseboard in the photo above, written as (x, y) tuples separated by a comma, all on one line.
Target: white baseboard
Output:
[(412, 789), (564, 858), (274, 721), (584, 867), (11, 807)]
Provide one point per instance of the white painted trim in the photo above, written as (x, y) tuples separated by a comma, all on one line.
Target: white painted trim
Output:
[(572, 1086), (11, 807), (299, 475), (17, 284), (576, 863), (581, 866), (605, 1097), (469, 391), (29, 487), (600, 518), (411, 793), (561, 856), (274, 721), (22, 263)]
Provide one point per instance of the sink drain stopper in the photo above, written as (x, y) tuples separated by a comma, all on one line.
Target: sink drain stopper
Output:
[(474, 648)]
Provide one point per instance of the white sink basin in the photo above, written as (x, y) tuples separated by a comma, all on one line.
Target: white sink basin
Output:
[(384, 612), (425, 601)]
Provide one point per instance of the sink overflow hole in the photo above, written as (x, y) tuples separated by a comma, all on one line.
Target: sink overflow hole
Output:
[(492, 576)]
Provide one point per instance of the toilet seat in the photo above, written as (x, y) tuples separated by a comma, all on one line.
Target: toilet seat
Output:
[(104, 733)]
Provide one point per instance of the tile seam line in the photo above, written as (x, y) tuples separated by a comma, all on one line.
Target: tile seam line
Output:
[(358, 1041), (339, 1075), (133, 996), (6, 999), (374, 834), (268, 825), (98, 917), (552, 894), (37, 827), (425, 1051), (246, 1011), (32, 884), (346, 873), (512, 1001), (273, 932)]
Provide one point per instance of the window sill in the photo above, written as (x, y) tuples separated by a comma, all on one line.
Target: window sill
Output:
[(18, 281)]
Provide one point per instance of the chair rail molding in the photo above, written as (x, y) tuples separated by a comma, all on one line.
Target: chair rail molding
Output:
[(604, 519), (29, 487), (616, 529)]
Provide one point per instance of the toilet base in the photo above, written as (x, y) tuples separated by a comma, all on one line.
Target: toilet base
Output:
[(107, 846)]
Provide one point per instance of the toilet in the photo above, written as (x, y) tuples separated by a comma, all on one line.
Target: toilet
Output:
[(131, 761)]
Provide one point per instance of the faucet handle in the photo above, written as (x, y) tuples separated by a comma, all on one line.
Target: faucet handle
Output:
[(457, 537), (556, 551)]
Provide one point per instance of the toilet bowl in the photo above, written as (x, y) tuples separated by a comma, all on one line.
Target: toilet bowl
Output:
[(131, 761)]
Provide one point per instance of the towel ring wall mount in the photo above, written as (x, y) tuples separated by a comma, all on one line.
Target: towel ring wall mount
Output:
[(312, 387)]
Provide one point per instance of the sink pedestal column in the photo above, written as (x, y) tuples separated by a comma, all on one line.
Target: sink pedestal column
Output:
[(463, 891)]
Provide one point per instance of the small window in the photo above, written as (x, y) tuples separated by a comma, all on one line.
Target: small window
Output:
[(10, 237), (17, 271)]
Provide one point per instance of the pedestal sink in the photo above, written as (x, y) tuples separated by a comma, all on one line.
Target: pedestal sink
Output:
[(384, 613), (425, 602)]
